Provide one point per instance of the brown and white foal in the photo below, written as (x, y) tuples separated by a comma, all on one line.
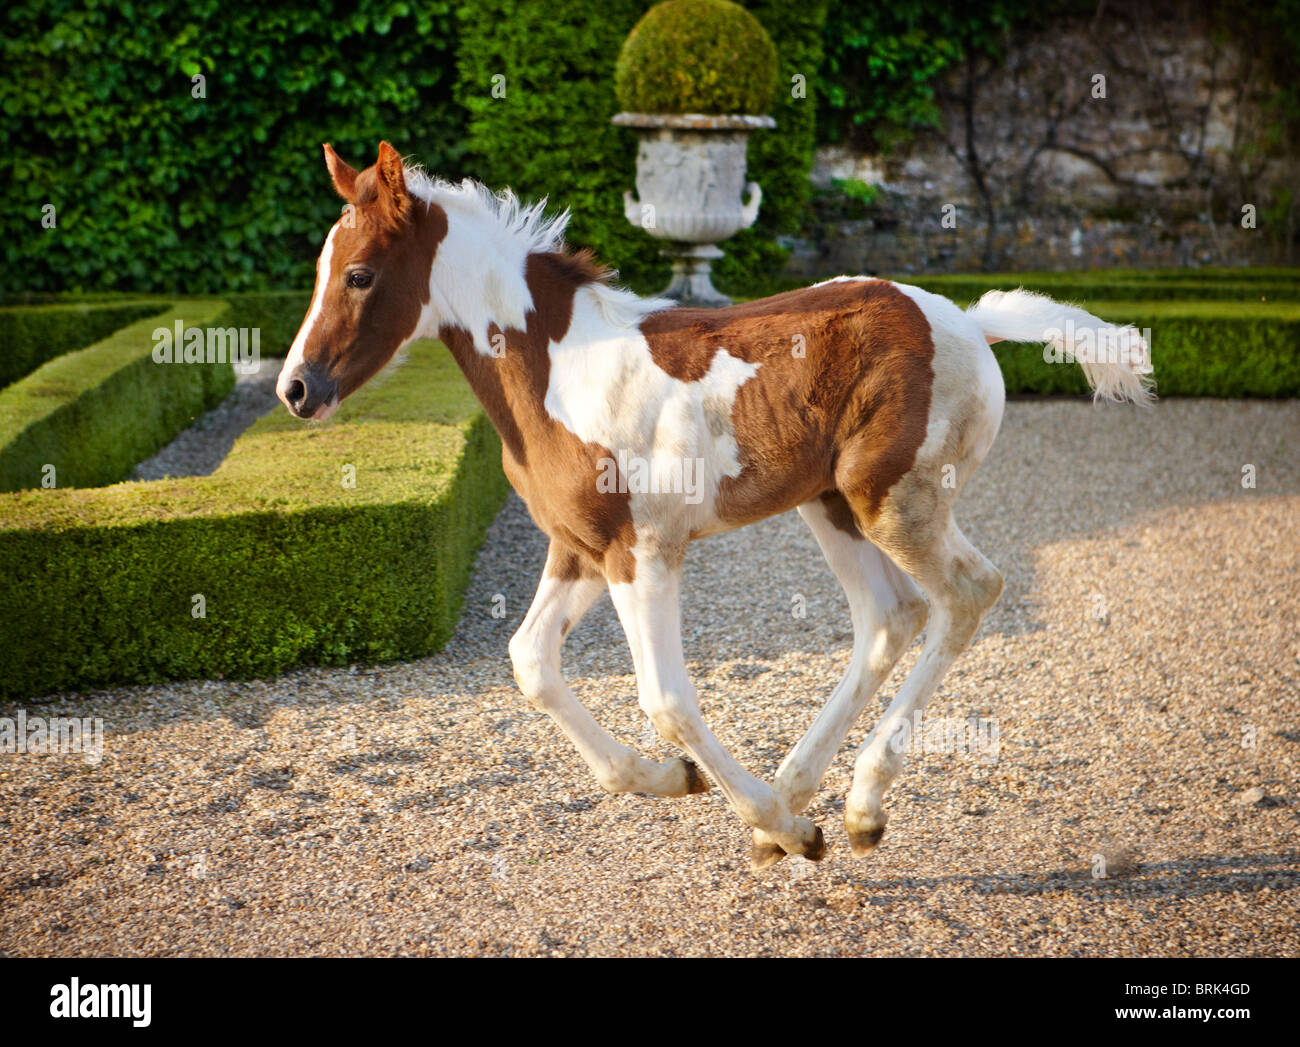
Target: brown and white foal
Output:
[(863, 404)]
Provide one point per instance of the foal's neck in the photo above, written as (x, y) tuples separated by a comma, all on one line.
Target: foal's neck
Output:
[(503, 348), (503, 289)]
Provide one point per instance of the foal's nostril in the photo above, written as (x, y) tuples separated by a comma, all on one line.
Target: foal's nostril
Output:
[(296, 393)]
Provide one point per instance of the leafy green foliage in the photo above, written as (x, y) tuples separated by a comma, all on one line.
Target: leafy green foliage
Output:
[(539, 91), (545, 130), (779, 160), (158, 190), (884, 62), (696, 56), (856, 189), (293, 566)]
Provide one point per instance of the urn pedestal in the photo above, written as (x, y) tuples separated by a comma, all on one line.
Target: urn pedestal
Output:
[(691, 192)]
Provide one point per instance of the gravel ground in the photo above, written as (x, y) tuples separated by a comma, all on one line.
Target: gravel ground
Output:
[(1142, 667), (198, 450)]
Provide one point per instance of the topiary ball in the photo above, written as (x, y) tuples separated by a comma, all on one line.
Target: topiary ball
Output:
[(696, 56)]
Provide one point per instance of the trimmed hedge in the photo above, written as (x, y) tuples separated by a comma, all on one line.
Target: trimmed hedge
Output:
[(1201, 274), (276, 314), (696, 56), (95, 413), (292, 565), (1122, 285), (31, 336)]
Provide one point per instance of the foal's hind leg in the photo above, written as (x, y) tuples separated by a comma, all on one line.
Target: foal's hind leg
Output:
[(569, 586), (961, 585), (648, 607), (887, 610)]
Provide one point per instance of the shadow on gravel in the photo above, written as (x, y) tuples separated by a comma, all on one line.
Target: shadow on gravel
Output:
[(1183, 878)]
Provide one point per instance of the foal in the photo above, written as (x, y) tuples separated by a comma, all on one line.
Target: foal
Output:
[(863, 404)]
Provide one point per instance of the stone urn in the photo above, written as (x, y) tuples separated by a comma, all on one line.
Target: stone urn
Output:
[(691, 191)]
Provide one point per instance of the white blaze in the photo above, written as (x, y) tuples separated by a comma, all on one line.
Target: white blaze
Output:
[(295, 356)]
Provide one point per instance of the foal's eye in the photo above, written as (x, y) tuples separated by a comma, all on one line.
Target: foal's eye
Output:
[(360, 278)]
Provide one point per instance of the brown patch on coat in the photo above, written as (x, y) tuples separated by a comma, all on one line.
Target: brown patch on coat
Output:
[(568, 565), (553, 470), (840, 514), (849, 414), (392, 235)]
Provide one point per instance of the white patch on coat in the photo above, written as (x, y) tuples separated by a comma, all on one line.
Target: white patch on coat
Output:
[(968, 389), (844, 280), (606, 389)]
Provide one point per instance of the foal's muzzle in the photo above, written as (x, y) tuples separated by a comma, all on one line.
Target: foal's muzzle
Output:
[(307, 392)]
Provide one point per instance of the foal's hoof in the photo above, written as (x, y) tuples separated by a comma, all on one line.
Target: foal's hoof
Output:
[(765, 853), (695, 781), (817, 849), (864, 843)]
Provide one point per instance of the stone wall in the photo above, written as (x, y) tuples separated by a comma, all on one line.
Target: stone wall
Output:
[(1123, 139)]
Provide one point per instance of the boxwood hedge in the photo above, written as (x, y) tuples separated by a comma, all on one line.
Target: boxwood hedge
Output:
[(93, 414), (1124, 285), (31, 336), (273, 560)]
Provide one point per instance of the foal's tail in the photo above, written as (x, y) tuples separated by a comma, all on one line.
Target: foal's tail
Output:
[(1115, 360)]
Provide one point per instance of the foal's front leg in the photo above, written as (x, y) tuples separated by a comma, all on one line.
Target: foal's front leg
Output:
[(569, 586), (648, 607)]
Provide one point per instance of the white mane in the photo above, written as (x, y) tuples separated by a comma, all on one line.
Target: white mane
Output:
[(526, 224), (478, 276)]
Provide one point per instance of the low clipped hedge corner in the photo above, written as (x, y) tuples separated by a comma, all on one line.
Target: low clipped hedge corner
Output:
[(94, 413), (31, 335), (287, 563)]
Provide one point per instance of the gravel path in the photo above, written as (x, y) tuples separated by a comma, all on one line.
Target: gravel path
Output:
[(198, 450), (1143, 666)]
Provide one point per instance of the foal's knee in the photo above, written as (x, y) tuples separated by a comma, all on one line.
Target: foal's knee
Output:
[(974, 586), (907, 618), (670, 716), (529, 663)]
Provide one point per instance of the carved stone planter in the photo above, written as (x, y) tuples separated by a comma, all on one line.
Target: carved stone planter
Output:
[(690, 180)]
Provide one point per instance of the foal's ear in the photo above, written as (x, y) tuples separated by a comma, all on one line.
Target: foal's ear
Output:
[(343, 176), (393, 194)]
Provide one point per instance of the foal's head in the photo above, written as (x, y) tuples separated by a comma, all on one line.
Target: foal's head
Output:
[(372, 283)]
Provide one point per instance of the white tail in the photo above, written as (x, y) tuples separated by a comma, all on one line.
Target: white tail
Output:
[(1115, 360)]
